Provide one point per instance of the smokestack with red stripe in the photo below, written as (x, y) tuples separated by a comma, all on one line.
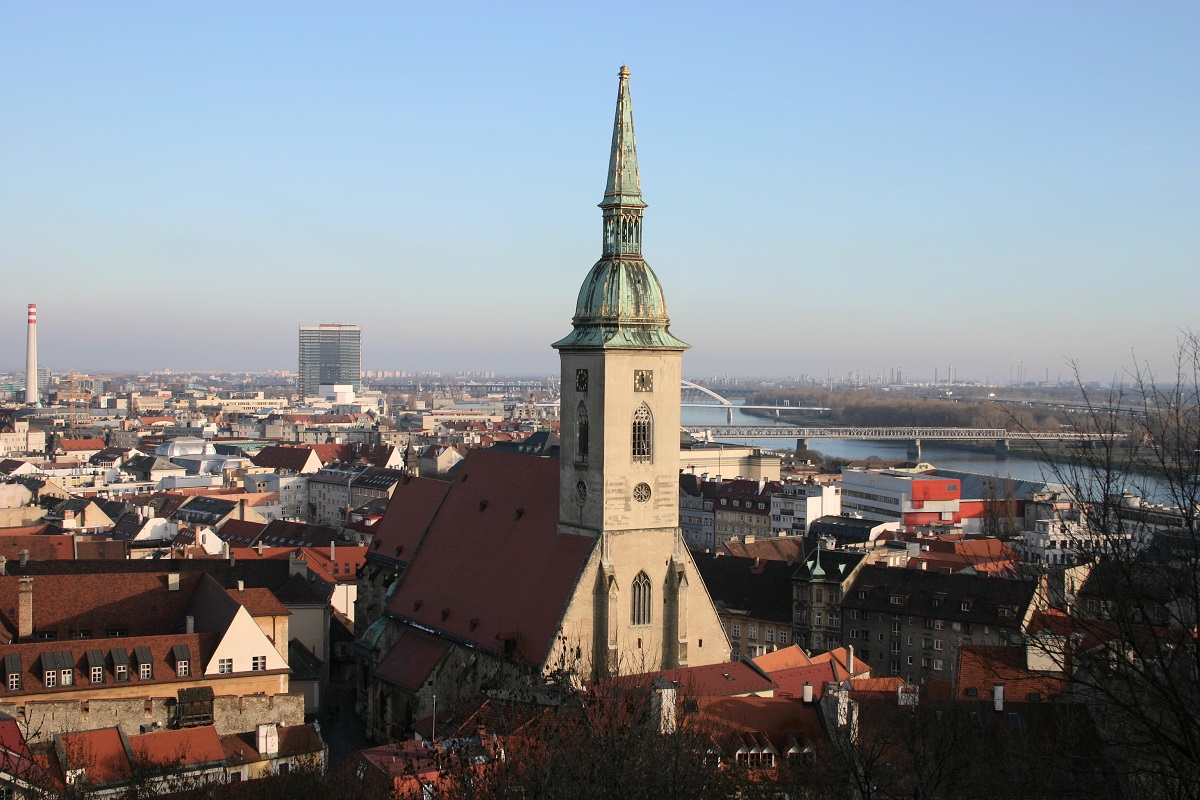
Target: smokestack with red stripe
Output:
[(31, 376)]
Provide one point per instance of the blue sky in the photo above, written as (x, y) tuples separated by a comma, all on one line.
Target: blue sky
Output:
[(832, 186)]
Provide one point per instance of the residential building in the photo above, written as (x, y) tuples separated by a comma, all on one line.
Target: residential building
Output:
[(795, 505), (743, 509), (156, 634), (819, 583), (910, 622), (753, 599), (697, 511)]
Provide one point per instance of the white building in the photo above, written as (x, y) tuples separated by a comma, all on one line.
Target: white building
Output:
[(796, 505)]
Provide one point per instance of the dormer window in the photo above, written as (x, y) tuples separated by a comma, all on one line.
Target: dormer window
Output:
[(966, 605), (897, 599), (145, 663), (183, 658), (12, 672), (57, 669)]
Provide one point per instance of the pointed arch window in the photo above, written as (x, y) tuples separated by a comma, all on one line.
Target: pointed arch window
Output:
[(643, 435), (581, 434), (639, 613)]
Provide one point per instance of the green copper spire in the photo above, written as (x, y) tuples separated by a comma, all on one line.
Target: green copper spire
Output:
[(624, 187), (621, 302)]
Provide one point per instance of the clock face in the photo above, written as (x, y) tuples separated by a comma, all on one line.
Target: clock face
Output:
[(641, 492), (581, 380), (581, 493), (643, 380)]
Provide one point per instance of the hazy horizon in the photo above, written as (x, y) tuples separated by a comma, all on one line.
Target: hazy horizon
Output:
[(841, 188)]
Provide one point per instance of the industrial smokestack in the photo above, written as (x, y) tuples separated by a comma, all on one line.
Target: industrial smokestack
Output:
[(31, 381)]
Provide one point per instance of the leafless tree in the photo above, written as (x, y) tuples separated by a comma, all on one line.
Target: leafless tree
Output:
[(1131, 636)]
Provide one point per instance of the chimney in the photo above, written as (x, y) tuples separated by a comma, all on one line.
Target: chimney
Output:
[(998, 696), (172, 581), (189, 624), (31, 377), (850, 660), (259, 548), (24, 555), (241, 586), (808, 693), (267, 739), (25, 609), (3, 565)]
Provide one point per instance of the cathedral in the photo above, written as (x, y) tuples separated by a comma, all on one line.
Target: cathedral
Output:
[(524, 568)]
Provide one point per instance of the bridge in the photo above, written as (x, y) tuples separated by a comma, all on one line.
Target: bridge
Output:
[(724, 403), (1000, 436)]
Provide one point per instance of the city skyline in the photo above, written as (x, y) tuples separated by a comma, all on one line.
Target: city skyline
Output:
[(862, 188)]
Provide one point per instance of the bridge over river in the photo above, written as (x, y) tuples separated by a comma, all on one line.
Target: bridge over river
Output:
[(1001, 437)]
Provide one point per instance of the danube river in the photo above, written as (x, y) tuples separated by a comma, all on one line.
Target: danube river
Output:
[(854, 449)]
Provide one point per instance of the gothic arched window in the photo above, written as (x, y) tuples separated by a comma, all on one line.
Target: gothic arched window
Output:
[(643, 435), (581, 433), (639, 613)]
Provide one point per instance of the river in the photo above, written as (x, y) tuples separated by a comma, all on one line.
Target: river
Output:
[(1011, 466)]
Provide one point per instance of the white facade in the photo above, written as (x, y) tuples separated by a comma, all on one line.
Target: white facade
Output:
[(795, 506)]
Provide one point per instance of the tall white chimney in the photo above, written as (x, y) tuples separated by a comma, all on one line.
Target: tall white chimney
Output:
[(31, 376)]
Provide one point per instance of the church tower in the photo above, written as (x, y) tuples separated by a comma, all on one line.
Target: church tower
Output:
[(619, 454)]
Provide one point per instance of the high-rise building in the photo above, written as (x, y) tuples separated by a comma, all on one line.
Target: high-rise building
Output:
[(329, 353)]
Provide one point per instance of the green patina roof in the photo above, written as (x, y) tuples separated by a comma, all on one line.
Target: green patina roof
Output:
[(621, 302)]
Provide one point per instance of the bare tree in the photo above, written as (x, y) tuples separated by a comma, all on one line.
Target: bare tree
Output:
[(1130, 638)]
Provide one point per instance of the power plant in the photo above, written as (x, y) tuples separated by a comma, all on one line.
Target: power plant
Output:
[(31, 371)]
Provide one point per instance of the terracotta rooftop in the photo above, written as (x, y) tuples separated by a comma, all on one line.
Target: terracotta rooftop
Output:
[(503, 510), (712, 680), (187, 746), (412, 507)]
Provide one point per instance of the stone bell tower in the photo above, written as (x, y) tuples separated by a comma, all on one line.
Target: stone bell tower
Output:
[(619, 471)]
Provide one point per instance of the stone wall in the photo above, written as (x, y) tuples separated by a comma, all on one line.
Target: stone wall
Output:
[(40, 720)]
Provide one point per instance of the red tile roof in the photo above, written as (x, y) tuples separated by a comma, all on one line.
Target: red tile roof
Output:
[(981, 667), (711, 680), (33, 665), (767, 715), (100, 753), (290, 459), (412, 507), (15, 756), (179, 747), (343, 568), (503, 510), (260, 602), (78, 445), (411, 659), (40, 547), (138, 603), (240, 532), (331, 452), (294, 740)]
